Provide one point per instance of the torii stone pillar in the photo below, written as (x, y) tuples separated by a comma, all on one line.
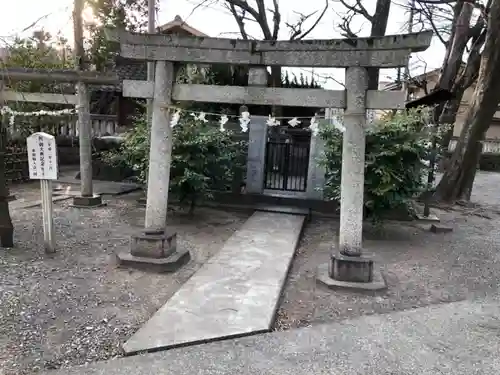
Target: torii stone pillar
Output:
[(156, 246), (348, 266), (8, 196), (87, 198), (353, 163), (160, 153), (257, 138)]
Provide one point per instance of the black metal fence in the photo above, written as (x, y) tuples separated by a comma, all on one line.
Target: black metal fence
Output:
[(16, 164), (286, 165)]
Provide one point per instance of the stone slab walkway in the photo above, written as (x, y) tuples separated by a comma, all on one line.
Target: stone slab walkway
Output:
[(23, 204), (459, 338), (235, 293), (71, 186)]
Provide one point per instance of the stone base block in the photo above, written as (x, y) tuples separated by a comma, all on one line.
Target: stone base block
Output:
[(357, 269), (440, 229), (377, 282), (88, 202), (156, 244), (162, 265), (428, 219)]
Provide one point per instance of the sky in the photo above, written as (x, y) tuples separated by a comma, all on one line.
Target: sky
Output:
[(17, 18)]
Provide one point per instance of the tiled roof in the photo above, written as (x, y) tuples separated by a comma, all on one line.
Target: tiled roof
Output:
[(4, 53), (178, 22), (130, 69), (125, 69)]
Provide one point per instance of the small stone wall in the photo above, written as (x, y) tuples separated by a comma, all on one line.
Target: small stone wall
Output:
[(490, 157), (488, 162)]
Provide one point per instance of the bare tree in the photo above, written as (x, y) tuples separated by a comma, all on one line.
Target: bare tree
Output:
[(454, 23), (243, 12), (464, 35), (461, 26), (459, 177), (378, 21)]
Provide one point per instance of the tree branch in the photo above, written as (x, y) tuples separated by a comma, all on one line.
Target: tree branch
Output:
[(438, 2), (261, 6), (301, 34), (345, 26), (469, 75), (358, 8), (378, 23), (276, 19), (256, 14), (421, 80), (259, 13), (239, 20), (428, 14)]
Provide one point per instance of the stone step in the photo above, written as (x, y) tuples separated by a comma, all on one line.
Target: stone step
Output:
[(283, 209), (71, 186), (235, 293)]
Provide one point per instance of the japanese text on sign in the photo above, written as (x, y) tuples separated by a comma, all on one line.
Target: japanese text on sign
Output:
[(42, 155)]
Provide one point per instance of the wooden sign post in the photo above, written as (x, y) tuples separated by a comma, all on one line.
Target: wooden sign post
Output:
[(42, 156)]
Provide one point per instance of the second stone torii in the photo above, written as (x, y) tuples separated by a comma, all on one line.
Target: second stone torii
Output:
[(348, 266)]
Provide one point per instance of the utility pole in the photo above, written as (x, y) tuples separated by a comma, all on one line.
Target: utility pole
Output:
[(87, 198), (78, 34), (411, 4), (151, 65)]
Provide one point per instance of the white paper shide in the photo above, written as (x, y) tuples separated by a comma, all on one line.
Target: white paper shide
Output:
[(42, 156)]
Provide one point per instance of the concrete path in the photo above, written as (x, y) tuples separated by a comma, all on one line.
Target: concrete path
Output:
[(460, 338), (234, 294)]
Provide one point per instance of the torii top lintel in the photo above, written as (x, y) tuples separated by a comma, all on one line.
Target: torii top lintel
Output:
[(384, 52)]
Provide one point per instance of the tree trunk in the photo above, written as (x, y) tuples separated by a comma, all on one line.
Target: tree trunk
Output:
[(192, 205), (458, 179), (450, 110), (455, 49), (458, 43), (446, 113), (275, 81), (379, 26), (448, 116)]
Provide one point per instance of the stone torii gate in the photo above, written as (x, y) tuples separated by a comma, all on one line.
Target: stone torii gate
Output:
[(348, 265), (82, 80)]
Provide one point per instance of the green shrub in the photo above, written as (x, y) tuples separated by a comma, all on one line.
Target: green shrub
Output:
[(134, 153), (204, 159), (397, 148)]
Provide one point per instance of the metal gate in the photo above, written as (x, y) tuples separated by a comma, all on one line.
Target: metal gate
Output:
[(287, 162)]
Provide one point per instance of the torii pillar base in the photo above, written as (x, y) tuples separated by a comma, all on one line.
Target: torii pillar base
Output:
[(351, 272), (154, 250), (92, 201)]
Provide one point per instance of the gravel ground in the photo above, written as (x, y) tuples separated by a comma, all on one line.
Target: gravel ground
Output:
[(77, 306), (421, 268)]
